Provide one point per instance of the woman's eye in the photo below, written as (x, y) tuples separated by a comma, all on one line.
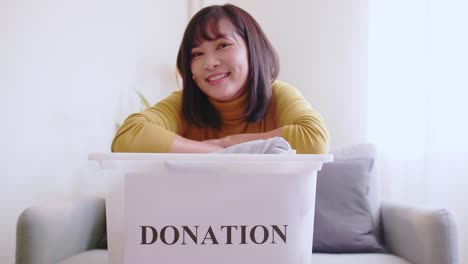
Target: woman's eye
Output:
[(196, 54), (223, 45)]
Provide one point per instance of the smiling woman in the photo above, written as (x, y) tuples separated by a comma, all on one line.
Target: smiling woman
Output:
[(230, 94), (220, 66)]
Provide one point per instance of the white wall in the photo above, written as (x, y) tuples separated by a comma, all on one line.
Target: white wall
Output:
[(65, 68), (322, 47)]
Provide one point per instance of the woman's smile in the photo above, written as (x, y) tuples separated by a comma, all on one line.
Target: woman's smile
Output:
[(217, 78)]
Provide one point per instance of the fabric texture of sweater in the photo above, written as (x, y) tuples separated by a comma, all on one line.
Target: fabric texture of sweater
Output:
[(154, 129)]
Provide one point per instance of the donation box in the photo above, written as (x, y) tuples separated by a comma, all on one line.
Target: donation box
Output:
[(210, 208)]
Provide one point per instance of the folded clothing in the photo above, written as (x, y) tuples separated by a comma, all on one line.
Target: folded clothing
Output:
[(275, 145)]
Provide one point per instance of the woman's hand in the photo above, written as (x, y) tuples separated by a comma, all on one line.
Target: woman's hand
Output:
[(232, 140), (184, 145), (220, 142)]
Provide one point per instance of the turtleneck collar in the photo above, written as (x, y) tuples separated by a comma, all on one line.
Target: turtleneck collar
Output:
[(233, 110)]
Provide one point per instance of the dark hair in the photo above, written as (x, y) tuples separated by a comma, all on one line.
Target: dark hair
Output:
[(263, 64)]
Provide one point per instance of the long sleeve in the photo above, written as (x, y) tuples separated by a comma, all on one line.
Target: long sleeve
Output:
[(152, 130), (303, 127)]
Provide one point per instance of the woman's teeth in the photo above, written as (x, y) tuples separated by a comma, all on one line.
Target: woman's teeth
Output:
[(217, 77)]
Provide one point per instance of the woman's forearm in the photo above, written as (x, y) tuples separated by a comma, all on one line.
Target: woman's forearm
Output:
[(241, 138), (184, 145)]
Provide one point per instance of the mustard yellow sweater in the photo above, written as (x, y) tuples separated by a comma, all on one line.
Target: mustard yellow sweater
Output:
[(154, 129)]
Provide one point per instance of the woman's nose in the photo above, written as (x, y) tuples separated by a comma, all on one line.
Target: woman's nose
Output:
[(211, 62)]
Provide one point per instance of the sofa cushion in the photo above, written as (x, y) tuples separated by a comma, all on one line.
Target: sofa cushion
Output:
[(343, 219), (95, 256), (371, 258), (365, 151)]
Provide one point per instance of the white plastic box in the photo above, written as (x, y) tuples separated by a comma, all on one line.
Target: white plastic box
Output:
[(210, 208)]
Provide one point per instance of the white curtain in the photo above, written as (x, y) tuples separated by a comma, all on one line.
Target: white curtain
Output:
[(418, 101)]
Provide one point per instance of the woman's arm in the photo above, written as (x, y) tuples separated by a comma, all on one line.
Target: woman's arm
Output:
[(241, 138), (302, 126), (157, 130), (297, 122), (184, 145)]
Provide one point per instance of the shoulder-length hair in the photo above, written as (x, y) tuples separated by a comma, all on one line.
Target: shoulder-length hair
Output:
[(262, 58)]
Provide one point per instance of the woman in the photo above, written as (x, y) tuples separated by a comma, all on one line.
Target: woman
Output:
[(230, 96)]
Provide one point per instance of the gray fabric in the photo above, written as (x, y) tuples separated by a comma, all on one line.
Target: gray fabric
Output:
[(369, 258), (51, 233), (421, 235), (276, 145), (363, 151), (343, 221), (96, 256)]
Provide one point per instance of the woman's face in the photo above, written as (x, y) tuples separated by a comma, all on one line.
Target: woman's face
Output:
[(220, 67)]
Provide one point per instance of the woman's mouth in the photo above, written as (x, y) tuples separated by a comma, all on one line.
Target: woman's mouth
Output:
[(217, 78)]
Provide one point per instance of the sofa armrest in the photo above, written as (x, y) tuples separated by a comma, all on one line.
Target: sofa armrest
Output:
[(420, 235), (48, 234)]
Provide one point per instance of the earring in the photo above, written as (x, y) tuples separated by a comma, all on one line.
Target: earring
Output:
[(193, 77)]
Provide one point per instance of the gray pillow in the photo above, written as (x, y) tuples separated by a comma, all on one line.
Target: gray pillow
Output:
[(343, 222)]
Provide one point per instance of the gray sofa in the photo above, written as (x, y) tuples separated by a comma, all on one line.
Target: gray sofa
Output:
[(72, 232)]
